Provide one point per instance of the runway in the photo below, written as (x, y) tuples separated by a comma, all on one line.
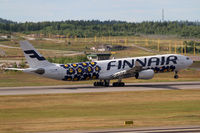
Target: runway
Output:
[(177, 129), (90, 88)]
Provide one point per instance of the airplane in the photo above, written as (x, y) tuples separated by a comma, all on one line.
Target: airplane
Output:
[(103, 70)]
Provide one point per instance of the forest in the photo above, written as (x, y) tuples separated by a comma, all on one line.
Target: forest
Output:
[(81, 28)]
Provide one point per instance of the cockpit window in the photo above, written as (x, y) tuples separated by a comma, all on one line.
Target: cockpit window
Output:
[(187, 58)]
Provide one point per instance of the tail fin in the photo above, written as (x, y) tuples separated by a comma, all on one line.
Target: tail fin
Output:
[(33, 57)]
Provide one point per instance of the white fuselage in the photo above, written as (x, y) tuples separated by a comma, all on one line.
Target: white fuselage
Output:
[(105, 68)]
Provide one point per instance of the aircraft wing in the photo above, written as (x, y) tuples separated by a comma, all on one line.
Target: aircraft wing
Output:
[(128, 73)]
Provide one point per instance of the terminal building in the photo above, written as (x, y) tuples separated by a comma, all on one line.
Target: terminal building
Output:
[(98, 56)]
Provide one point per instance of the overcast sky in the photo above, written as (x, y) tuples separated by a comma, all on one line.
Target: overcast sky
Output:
[(125, 10)]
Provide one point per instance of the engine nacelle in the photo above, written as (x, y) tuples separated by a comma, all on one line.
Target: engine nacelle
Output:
[(145, 74), (35, 70)]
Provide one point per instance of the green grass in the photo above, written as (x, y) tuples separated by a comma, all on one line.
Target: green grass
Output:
[(196, 64), (131, 52), (80, 44), (98, 110)]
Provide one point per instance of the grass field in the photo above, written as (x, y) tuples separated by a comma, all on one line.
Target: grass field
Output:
[(98, 110), (166, 45)]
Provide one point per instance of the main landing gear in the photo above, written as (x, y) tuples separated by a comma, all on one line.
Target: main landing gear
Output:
[(106, 83), (176, 75), (102, 83), (119, 83)]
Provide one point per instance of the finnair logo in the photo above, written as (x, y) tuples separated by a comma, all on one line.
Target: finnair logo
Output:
[(33, 54), (143, 62)]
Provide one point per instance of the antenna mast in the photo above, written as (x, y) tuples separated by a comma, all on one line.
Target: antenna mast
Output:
[(163, 15)]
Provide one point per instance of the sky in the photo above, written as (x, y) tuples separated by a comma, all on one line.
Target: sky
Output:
[(124, 10)]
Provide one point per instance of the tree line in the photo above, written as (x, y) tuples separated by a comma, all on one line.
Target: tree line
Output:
[(80, 28)]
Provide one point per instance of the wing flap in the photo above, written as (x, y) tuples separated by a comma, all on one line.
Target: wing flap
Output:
[(128, 73)]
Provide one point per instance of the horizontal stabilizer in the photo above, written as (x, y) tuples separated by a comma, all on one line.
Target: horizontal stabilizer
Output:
[(15, 69), (28, 70)]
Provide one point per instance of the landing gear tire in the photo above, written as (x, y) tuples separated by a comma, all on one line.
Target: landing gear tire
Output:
[(118, 84), (98, 83), (95, 83), (176, 76), (106, 83)]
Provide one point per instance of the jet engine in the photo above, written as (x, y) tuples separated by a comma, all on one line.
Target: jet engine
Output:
[(38, 70), (145, 74)]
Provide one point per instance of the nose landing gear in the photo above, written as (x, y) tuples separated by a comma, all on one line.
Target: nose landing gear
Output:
[(176, 75)]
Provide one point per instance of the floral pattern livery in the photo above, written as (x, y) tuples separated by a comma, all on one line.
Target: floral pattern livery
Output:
[(81, 71)]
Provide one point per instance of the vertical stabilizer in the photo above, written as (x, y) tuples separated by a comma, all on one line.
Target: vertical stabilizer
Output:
[(33, 57)]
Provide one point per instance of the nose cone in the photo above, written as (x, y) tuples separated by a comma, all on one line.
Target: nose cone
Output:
[(191, 62)]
